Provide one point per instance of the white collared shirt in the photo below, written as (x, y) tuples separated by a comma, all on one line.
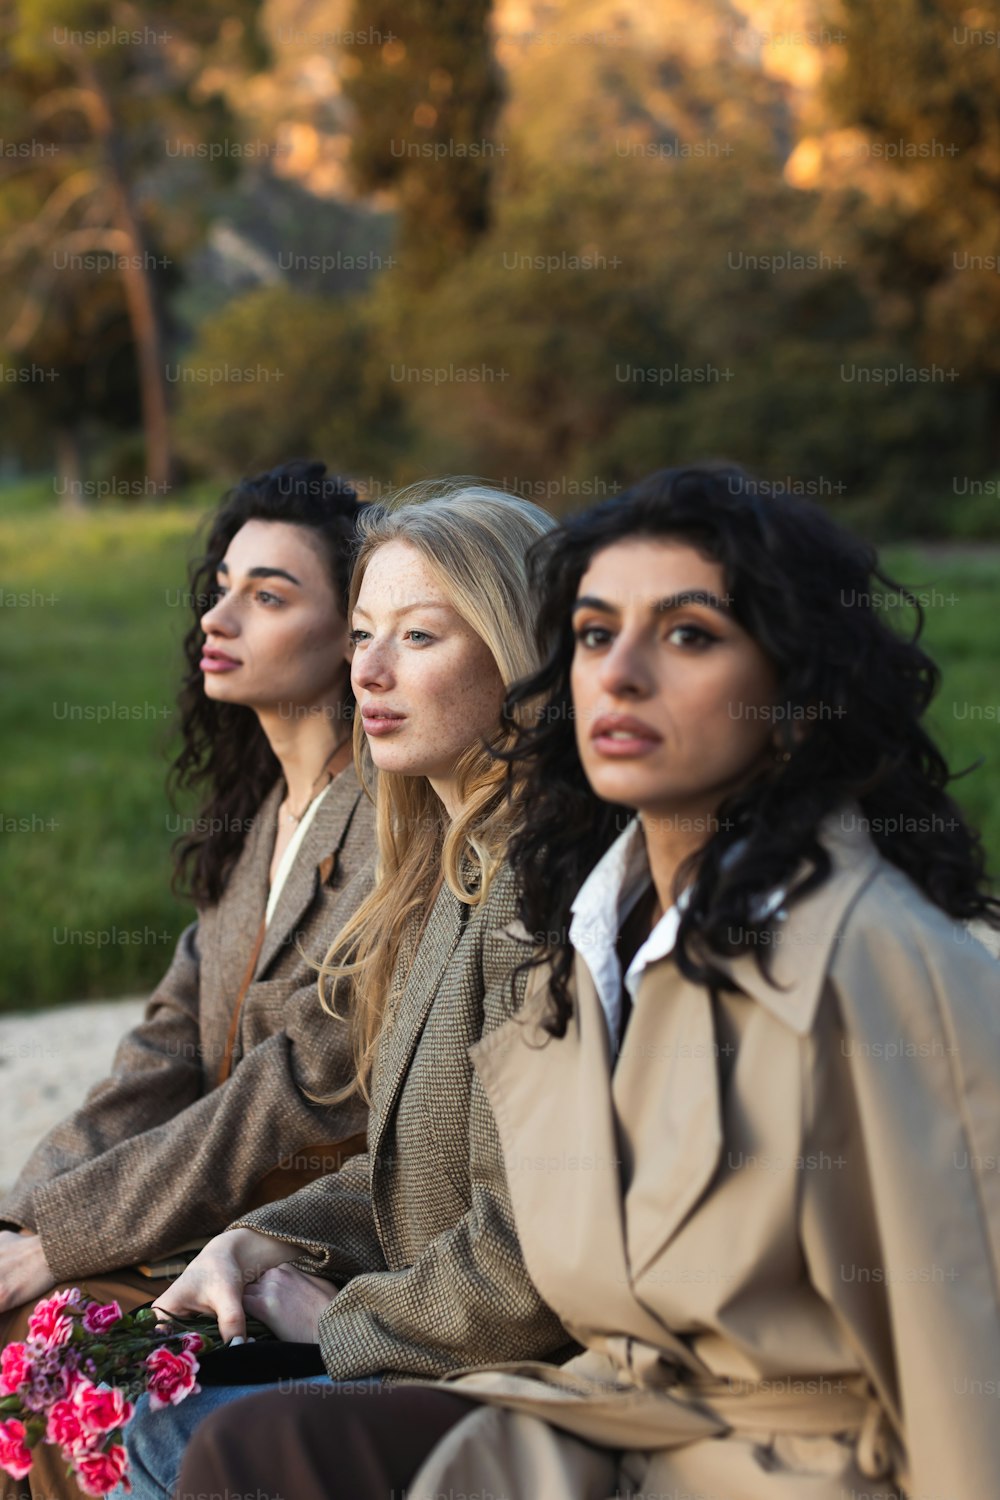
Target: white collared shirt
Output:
[(610, 892), (603, 903)]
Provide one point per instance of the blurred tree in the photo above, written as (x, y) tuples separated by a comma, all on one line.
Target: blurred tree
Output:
[(601, 329), (651, 287), (78, 383), (423, 79), (100, 98), (613, 323), (278, 373), (638, 277), (920, 80)]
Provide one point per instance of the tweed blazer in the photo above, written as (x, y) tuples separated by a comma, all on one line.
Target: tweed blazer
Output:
[(773, 1224), (421, 1228), (158, 1154)]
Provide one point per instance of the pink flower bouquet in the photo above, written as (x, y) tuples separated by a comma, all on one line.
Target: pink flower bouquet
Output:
[(75, 1378)]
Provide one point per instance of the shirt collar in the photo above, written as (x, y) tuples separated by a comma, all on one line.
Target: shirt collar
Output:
[(601, 905), (621, 872), (803, 936)]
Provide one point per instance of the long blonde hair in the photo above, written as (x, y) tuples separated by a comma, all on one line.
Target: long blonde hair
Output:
[(475, 539)]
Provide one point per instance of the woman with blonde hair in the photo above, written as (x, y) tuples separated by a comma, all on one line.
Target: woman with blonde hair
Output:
[(407, 1264)]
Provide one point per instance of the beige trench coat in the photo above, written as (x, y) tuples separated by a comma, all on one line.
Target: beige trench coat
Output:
[(774, 1228)]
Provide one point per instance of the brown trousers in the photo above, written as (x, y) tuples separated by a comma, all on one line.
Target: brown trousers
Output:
[(48, 1479), (311, 1444)]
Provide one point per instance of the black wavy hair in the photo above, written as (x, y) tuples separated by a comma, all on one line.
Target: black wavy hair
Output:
[(808, 593), (225, 752)]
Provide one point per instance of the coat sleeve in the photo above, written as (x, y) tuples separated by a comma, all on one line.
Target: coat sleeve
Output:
[(157, 1071), (469, 1289), (188, 1176), (920, 1003), (331, 1221)]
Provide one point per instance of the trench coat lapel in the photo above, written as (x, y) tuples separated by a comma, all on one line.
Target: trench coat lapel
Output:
[(608, 1223), (299, 890), (805, 938), (666, 1085), (423, 960), (551, 1100), (666, 1096)]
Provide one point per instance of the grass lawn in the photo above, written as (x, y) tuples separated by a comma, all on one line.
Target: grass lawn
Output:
[(962, 633), (93, 615), (93, 612)]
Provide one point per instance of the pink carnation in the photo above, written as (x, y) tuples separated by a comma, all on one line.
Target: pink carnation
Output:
[(100, 1472), (15, 1455), (171, 1377), (100, 1319), (102, 1408), (193, 1342), (48, 1324), (66, 1428), (68, 1297), (15, 1368)]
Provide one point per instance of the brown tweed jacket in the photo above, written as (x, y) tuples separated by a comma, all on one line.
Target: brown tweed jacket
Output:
[(158, 1154), (421, 1228)]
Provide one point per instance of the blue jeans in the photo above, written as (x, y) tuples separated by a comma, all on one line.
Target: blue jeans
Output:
[(156, 1440)]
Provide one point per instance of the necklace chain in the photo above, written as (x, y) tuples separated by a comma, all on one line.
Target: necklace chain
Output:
[(314, 789)]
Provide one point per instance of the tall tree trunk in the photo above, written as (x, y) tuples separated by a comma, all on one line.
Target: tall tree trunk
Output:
[(138, 287), (146, 334), (69, 468)]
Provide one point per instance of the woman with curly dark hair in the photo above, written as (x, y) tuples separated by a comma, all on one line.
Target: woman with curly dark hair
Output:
[(241, 734), (751, 1106), (211, 1107)]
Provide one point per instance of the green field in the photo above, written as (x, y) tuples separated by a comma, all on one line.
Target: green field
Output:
[(92, 615), (959, 588), (92, 620)]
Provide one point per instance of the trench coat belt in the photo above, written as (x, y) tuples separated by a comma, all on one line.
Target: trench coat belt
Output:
[(805, 1407), (853, 1410), (820, 1406), (623, 1369)]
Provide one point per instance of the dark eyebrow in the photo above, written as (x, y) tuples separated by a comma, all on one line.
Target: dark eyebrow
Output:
[(721, 603), (662, 606), (265, 573)]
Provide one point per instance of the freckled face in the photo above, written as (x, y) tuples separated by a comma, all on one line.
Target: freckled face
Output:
[(673, 699), (276, 638), (427, 685)]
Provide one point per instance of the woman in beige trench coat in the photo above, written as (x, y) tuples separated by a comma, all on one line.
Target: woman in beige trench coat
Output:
[(757, 1178)]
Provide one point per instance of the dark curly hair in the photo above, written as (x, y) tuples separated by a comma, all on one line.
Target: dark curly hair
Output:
[(807, 592), (225, 752)]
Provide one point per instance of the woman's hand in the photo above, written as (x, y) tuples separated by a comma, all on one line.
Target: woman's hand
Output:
[(24, 1271), (290, 1303), (217, 1278)]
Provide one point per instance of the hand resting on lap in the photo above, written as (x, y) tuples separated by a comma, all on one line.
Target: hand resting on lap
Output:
[(290, 1303), (242, 1272)]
